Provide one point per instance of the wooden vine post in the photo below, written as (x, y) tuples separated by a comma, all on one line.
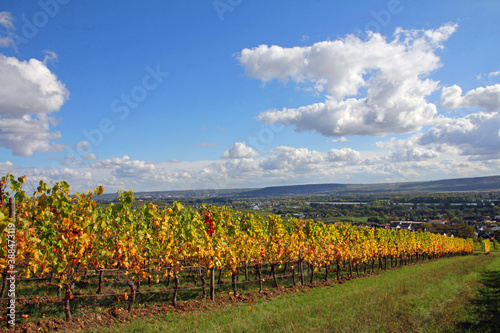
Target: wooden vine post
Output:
[(67, 298), (273, 273), (301, 268), (101, 278), (203, 285), (133, 290), (211, 232), (233, 281), (212, 284), (176, 289), (131, 284), (259, 276), (312, 267)]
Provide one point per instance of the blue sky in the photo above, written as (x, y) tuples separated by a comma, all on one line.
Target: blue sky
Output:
[(166, 95)]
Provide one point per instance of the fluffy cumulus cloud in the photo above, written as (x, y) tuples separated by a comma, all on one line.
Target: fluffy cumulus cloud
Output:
[(371, 87), (29, 94), (473, 137), (283, 163), (79, 179), (124, 173), (49, 174), (487, 98), (233, 172), (343, 155), (290, 162), (413, 154), (407, 150), (124, 167), (293, 159), (396, 160), (240, 150), (341, 139), (248, 170), (476, 135), (8, 167)]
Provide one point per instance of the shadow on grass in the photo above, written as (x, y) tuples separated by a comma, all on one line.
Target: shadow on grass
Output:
[(484, 309)]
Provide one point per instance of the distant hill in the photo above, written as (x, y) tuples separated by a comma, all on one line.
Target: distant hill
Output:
[(291, 190), (490, 183)]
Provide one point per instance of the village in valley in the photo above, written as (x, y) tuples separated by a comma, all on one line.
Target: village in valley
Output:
[(479, 220)]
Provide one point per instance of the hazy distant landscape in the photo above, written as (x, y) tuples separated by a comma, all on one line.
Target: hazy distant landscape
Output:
[(490, 183)]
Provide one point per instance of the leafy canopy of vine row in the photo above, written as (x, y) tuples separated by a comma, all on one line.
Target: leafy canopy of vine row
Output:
[(60, 233)]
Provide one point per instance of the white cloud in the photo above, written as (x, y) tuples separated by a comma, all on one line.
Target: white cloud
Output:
[(227, 174), (283, 163), (124, 167), (475, 135), (488, 79), (341, 139), (91, 156), (451, 97), (83, 146), (438, 36), (135, 169), (123, 173), (29, 93), (291, 162), (27, 135), (393, 74), (407, 150), (7, 167), (413, 154), (343, 155), (127, 172), (240, 150), (395, 160), (487, 98), (59, 174), (291, 158), (6, 22)]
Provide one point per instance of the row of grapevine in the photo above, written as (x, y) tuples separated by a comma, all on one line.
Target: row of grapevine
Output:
[(486, 245), (59, 234)]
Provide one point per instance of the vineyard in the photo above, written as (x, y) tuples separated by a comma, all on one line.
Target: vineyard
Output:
[(71, 245)]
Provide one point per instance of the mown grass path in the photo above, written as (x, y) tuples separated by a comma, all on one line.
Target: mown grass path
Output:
[(448, 295), (483, 311)]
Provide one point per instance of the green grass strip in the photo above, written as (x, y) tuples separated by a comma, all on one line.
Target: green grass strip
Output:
[(482, 312)]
